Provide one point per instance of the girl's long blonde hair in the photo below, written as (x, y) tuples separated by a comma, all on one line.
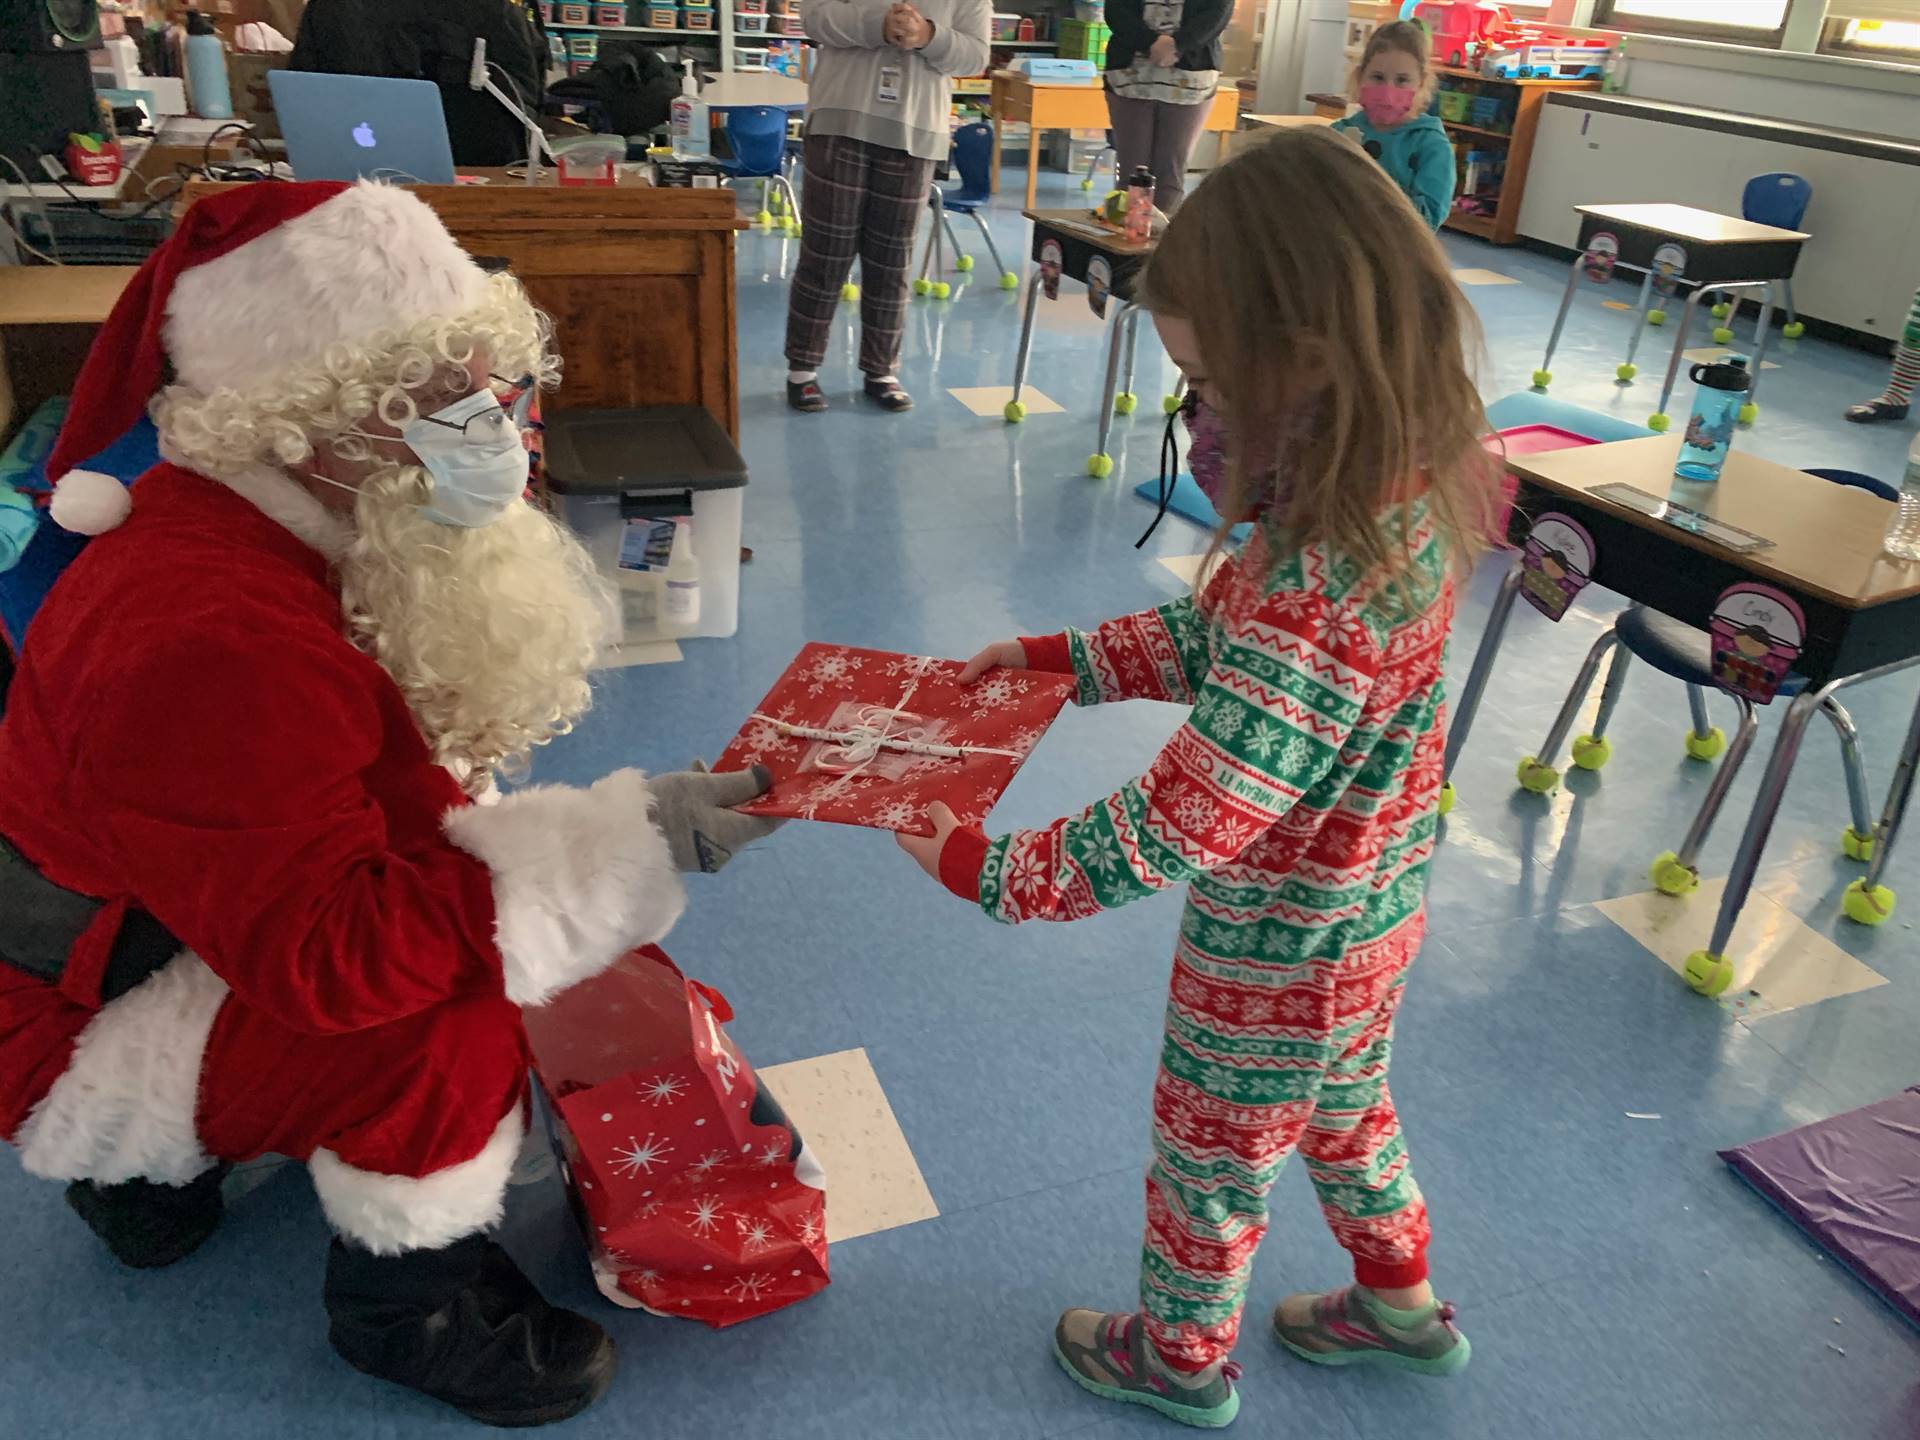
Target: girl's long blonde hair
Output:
[(1340, 345)]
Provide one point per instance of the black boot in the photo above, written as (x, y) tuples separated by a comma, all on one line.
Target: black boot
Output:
[(147, 1225), (463, 1325)]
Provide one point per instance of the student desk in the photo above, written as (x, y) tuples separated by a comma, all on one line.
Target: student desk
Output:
[(1862, 607), (1075, 105), (1676, 245), (1073, 244)]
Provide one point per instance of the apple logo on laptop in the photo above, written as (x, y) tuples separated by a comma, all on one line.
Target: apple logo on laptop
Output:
[(363, 136)]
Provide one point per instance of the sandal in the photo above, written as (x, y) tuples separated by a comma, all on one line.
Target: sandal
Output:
[(888, 395), (806, 397)]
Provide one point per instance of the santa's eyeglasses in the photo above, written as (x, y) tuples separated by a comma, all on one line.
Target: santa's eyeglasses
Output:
[(516, 409)]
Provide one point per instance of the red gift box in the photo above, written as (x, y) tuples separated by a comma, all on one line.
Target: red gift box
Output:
[(866, 737), (698, 1197)]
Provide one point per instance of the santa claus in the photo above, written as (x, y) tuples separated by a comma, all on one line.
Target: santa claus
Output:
[(246, 902)]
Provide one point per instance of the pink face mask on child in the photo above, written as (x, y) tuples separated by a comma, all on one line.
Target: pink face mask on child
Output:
[(1386, 105)]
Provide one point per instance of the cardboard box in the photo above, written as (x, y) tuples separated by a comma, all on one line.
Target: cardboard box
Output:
[(252, 100)]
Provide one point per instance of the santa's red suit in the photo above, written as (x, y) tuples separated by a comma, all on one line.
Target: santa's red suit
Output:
[(190, 734)]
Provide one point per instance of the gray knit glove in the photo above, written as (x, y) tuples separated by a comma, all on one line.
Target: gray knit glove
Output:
[(691, 809)]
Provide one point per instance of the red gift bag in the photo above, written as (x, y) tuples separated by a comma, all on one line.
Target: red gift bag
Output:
[(698, 1196)]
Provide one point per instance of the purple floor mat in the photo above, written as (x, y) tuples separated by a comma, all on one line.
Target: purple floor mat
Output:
[(1852, 1182)]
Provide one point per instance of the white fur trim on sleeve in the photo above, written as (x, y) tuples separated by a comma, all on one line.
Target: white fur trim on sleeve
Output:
[(123, 1109), (580, 877), (388, 1214)]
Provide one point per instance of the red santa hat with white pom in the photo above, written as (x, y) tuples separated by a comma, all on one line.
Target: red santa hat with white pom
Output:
[(252, 288)]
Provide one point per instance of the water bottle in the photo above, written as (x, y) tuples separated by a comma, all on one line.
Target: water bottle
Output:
[(1716, 408), (207, 70), (1139, 204), (1903, 535)]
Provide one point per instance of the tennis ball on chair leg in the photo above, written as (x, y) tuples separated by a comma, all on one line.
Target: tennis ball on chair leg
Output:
[(1856, 846), (1722, 310), (941, 289), (1867, 907), (963, 264), (1659, 423), (923, 286), (1009, 280), (1793, 330), (1124, 402), (1707, 746), (1707, 973), (1721, 335), (849, 291), (1099, 466), (1670, 877), (1656, 317), (1592, 752), (1015, 412), (1749, 413), (1535, 778), (1625, 371), (1542, 379)]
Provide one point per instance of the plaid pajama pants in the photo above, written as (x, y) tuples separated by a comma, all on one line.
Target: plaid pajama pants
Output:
[(857, 198), (1258, 1061)]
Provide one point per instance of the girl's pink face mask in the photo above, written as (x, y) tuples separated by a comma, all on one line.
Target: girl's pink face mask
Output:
[(1386, 105)]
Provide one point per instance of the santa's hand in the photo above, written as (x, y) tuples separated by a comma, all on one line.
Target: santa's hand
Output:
[(925, 849), (1006, 654), (692, 809)]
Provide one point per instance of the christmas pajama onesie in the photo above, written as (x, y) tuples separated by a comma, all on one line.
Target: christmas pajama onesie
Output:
[(1298, 804)]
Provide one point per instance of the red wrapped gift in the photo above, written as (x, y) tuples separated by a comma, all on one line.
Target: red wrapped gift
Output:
[(866, 737), (697, 1195)]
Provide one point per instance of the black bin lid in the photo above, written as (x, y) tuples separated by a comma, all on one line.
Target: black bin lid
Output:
[(656, 447)]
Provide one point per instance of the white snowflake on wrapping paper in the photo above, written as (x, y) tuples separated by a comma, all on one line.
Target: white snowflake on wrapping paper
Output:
[(996, 691), (897, 814), (809, 1230), (646, 1277), (924, 765), (762, 738), (1022, 744), (755, 1235), (664, 1090), (750, 1287), (641, 1155), (831, 670), (775, 1153), (818, 793), (908, 666), (707, 1164), (619, 1259), (705, 1216), (648, 1210)]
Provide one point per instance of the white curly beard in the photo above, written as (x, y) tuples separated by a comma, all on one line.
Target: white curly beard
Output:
[(490, 633)]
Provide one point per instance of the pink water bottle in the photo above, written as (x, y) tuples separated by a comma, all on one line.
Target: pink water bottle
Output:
[(1139, 204)]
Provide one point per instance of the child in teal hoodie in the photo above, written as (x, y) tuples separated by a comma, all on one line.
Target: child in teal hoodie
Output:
[(1393, 84)]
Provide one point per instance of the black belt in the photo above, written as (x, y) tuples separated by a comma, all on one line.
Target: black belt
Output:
[(40, 922)]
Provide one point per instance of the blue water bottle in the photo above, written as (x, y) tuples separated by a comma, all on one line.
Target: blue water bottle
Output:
[(1716, 408), (207, 70)]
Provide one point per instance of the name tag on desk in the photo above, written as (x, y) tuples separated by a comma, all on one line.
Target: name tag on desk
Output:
[(889, 90)]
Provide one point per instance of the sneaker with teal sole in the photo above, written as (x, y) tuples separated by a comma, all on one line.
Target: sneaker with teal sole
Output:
[(1109, 1356), (1355, 1327)]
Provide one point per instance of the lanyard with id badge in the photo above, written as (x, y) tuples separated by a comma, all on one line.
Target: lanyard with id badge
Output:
[(889, 90)]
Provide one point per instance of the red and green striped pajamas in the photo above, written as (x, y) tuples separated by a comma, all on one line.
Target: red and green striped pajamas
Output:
[(1297, 804)]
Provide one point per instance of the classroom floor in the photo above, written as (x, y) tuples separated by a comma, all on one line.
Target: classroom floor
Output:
[(1563, 1092)]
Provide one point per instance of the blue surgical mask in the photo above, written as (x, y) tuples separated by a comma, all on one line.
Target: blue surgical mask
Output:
[(473, 451)]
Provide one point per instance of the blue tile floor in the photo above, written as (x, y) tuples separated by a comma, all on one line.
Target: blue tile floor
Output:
[(1616, 1280)]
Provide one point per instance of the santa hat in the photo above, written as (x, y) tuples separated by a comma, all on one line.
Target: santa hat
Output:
[(251, 288)]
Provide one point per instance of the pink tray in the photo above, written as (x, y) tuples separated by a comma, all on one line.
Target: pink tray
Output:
[(1536, 439)]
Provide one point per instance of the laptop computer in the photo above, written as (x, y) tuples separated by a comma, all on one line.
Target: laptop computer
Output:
[(344, 127)]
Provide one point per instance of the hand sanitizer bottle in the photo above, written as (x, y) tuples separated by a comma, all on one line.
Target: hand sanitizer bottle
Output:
[(691, 137), (680, 602)]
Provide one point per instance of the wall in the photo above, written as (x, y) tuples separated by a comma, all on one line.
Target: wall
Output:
[(1818, 90)]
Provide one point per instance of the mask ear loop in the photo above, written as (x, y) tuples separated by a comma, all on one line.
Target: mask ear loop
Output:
[(1169, 473)]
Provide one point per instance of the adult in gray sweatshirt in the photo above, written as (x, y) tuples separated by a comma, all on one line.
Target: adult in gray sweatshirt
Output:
[(878, 110)]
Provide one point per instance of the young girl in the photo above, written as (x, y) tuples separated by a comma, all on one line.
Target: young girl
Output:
[(1393, 85), (1297, 802)]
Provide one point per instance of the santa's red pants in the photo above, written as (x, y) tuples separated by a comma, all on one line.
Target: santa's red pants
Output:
[(410, 1128)]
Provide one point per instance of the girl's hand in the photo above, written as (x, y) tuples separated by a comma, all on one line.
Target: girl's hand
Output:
[(1007, 654), (926, 849), (1163, 52)]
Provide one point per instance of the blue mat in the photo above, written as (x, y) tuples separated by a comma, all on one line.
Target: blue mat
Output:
[(51, 550), (1189, 503)]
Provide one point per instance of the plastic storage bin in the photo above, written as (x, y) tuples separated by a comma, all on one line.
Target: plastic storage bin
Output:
[(789, 25), (1453, 104), (612, 471), (696, 19), (572, 14), (663, 17), (749, 7), (1083, 40), (1005, 26), (583, 47), (746, 24), (610, 14)]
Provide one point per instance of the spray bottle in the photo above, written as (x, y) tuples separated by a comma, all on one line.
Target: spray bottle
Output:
[(691, 138)]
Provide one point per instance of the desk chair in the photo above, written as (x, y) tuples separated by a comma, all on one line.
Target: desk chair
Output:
[(972, 157), (1686, 653), (1778, 198), (1104, 155), (758, 134)]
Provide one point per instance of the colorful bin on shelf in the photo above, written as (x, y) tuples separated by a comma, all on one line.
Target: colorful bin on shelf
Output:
[(579, 67), (698, 4), (789, 25), (696, 18), (583, 47), (1453, 104), (663, 17), (749, 7), (1005, 26), (568, 13), (610, 14), (746, 24), (1082, 40), (546, 11)]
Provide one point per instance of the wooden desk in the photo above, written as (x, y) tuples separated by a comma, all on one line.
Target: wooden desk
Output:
[(1862, 609), (730, 92), (1676, 245), (638, 281), (48, 316), (1292, 122), (1071, 243), (1080, 105)]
